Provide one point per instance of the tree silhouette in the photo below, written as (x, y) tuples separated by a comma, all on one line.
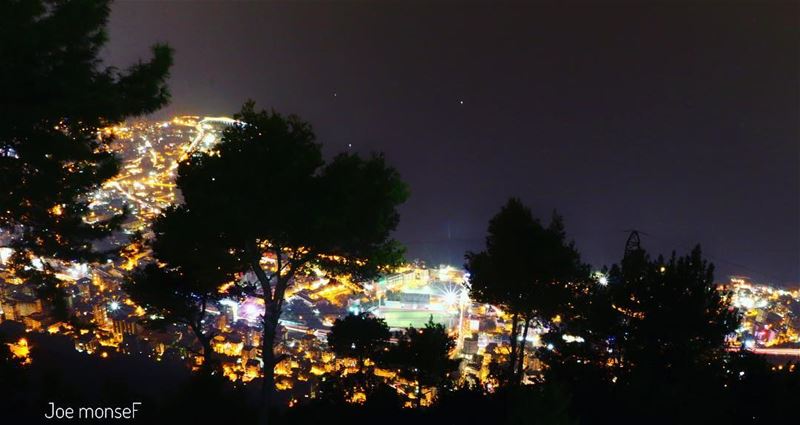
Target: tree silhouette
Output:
[(652, 337), (265, 192), (674, 316), (55, 96), (423, 356), (360, 336), (497, 273), (674, 321), (759, 391), (190, 267), (529, 269)]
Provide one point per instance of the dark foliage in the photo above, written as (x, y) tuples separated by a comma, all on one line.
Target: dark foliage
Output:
[(266, 190), (529, 269), (652, 338), (55, 96), (360, 336), (189, 269), (423, 356), (674, 314)]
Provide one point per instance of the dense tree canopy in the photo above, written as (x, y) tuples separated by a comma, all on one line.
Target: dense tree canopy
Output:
[(673, 312), (652, 334), (271, 200), (360, 336), (55, 96), (424, 356), (188, 269), (527, 268)]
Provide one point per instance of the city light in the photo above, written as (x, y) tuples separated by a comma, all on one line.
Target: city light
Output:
[(409, 295)]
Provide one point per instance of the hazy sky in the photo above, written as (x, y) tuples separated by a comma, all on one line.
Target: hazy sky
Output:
[(681, 120)]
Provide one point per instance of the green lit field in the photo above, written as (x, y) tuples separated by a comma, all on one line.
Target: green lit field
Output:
[(417, 319)]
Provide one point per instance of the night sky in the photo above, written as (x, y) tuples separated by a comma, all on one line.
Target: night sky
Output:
[(680, 120)]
